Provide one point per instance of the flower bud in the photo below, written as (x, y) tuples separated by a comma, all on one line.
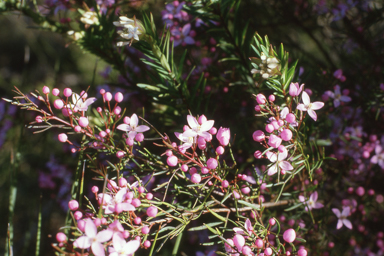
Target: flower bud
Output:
[(289, 235), (223, 136)]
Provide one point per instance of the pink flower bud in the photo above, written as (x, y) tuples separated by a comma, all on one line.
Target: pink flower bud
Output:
[(145, 230), (260, 98), (269, 128), (73, 205), (97, 222), (95, 189), (274, 141), (184, 168), (117, 110), (295, 89), (236, 194), (141, 189), (268, 251), (290, 118), (122, 182), (220, 150), (58, 104), (239, 241), (246, 250), (202, 119), (107, 96), (289, 235), (258, 136), (120, 154), (139, 137), (136, 202), (45, 89), (149, 196), (302, 252), (152, 211), (224, 183), (258, 154), (137, 220), (223, 136), (66, 112), (272, 221), (286, 135), (245, 190), (360, 191), (271, 98), (212, 163), (99, 109), (196, 178), (204, 170), (39, 119), (67, 92), (55, 91), (259, 243), (78, 215), (83, 121), (213, 131), (102, 134), (172, 161), (102, 91), (129, 141), (168, 152), (63, 137), (61, 237), (257, 108), (119, 97), (147, 243)]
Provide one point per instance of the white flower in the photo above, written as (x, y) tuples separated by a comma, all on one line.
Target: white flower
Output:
[(123, 248), (309, 106), (90, 18), (79, 104), (132, 29), (188, 141), (311, 203), (269, 66), (279, 163), (342, 217), (198, 129), (133, 127)]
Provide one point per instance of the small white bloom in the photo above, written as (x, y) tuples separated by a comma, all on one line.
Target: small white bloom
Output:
[(309, 106), (90, 18)]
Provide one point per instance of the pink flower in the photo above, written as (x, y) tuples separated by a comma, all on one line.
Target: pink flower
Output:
[(198, 129), (79, 104), (289, 235), (247, 226), (239, 242), (295, 89), (113, 204), (342, 217), (279, 163), (274, 141), (188, 141), (133, 127), (379, 157), (309, 106), (337, 97), (311, 203), (93, 239), (223, 136), (123, 248)]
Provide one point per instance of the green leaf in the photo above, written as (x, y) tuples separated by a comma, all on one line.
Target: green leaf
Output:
[(253, 206), (213, 224)]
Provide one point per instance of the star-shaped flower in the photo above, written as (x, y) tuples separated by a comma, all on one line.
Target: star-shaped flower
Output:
[(278, 159), (123, 248), (342, 217), (309, 106), (311, 202), (198, 129), (79, 104), (93, 239), (133, 127)]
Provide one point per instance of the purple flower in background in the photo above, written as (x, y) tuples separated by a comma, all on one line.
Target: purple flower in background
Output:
[(338, 97), (379, 157), (182, 37), (311, 203)]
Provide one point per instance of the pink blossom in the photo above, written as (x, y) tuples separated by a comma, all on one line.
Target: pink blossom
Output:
[(111, 203), (295, 89), (247, 226), (79, 104), (198, 129), (309, 106), (123, 248), (311, 203), (188, 141), (279, 163), (337, 97), (223, 136), (342, 217), (93, 239), (289, 235), (274, 141), (133, 128), (379, 157), (239, 242)]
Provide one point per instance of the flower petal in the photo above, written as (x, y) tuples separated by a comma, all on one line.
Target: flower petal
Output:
[(347, 223), (124, 127), (285, 165), (98, 249), (312, 114), (90, 229), (313, 197), (339, 224), (301, 107), (272, 170), (104, 236), (131, 247), (336, 212), (142, 128), (83, 242), (134, 120), (192, 122), (207, 125), (306, 99), (317, 105)]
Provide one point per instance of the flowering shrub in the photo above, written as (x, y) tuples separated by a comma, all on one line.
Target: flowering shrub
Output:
[(290, 173)]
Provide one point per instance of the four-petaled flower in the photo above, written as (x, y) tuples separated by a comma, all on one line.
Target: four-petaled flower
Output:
[(93, 239), (247, 226), (123, 248), (279, 163), (337, 97), (342, 217), (311, 202), (379, 157), (109, 203), (133, 127), (188, 141), (198, 129), (309, 106), (79, 104)]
